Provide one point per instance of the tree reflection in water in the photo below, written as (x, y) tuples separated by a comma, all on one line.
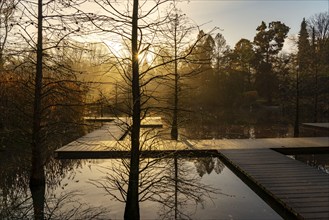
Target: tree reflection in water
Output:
[(320, 161), (257, 124), (182, 189), (173, 182), (16, 200)]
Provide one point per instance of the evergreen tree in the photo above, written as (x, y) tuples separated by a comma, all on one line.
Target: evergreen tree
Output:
[(303, 65), (304, 49), (244, 56), (268, 43)]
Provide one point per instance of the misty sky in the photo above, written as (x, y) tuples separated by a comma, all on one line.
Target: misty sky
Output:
[(239, 19)]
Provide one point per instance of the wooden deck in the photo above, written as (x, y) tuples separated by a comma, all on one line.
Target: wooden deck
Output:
[(300, 191), (102, 139), (293, 189), (107, 141)]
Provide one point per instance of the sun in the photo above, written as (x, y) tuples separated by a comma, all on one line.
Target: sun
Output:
[(120, 51)]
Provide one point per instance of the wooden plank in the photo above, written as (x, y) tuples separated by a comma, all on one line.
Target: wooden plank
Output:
[(310, 200), (298, 191), (312, 209), (318, 216), (286, 175), (312, 204), (288, 181)]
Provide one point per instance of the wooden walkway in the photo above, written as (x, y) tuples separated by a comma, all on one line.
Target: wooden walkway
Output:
[(107, 141), (293, 189), (299, 190), (100, 140)]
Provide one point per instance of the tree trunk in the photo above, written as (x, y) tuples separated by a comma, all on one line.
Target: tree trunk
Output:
[(132, 206), (174, 128), (176, 187), (37, 176), (296, 126), (316, 97)]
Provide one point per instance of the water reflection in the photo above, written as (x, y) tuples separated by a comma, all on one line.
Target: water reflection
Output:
[(176, 188), (18, 202), (213, 131), (320, 161), (238, 125), (170, 188), (171, 182)]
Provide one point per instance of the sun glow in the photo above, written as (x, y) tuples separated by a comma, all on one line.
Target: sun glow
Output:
[(147, 56), (120, 51), (116, 48)]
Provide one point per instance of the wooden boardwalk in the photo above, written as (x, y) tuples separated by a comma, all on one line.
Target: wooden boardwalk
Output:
[(100, 140), (293, 189), (298, 190), (107, 141)]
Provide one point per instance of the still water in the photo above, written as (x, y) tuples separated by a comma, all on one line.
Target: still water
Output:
[(171, 188), (195, 188), (320, 161)]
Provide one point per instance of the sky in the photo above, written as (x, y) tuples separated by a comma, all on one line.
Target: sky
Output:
[(239, 18)]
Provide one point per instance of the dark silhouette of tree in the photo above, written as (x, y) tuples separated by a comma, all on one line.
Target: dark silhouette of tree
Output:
[(318, 29), (302, 71), (7, 22), (174, 53), (304, 49), (174, 128), (37, 178), (133, 26), (201, 60), (132, 205), (39, 74), (285, 66), (268, 43), (318, 25), (244, 55), (141, 35)]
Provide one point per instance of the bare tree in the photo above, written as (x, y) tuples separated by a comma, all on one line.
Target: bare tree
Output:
[(176, 37), (52, 27), (6, 11), (139, 26), (133, 26), (318, 29)]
